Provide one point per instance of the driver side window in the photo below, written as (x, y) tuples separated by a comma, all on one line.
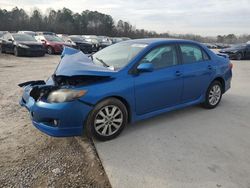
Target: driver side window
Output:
[(161, 57)]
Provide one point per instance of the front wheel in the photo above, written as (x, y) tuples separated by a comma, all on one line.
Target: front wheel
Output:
[(107, 119), (50, 50), (239, 56), (213, 95), (1, 49), (16, 52)]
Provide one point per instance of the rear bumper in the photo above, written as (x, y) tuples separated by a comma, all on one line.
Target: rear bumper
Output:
[(57, 119)]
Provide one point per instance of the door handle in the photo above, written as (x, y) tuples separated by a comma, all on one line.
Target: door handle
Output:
[(178, 73), (210, 67)]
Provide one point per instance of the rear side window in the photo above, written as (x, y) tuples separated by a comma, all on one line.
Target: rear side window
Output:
[(192, 54)]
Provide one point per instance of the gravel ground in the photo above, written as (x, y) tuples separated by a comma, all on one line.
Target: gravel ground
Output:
[(28, 157)]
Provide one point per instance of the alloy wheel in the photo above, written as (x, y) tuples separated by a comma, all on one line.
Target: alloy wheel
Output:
[(108, 120), (50, 50), (239, 56), (214, 95)]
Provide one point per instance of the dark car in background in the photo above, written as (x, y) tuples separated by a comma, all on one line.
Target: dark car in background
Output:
[(21, 45), (237, 51), (53, 44), (80, 43), (93, 39)]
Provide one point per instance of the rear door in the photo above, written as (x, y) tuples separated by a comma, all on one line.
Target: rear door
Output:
[(162, 87), (197, 71)]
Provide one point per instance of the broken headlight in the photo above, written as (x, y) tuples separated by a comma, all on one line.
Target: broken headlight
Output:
[(65, 95)]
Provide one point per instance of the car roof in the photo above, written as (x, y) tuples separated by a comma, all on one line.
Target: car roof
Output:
[(158, 40)]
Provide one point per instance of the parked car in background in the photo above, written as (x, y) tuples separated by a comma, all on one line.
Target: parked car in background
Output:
[(124, 83), (80, 43), (32, 33), (53, 44), (3, 33), (125, 38), (21, 45), (104, 41), (222, 45), (116, 40), (93, 39), (45, 33), (210, 45), (237, 51)]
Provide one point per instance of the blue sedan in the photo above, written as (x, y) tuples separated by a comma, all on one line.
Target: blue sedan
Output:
[(123, 83)]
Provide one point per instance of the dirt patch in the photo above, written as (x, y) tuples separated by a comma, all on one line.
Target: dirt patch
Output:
[(28, 157)]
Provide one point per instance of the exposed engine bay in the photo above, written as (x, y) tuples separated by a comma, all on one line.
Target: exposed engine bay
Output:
[(39, 90), (77, 80)]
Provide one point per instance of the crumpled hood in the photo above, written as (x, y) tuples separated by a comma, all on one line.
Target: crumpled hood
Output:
[(76, 63)]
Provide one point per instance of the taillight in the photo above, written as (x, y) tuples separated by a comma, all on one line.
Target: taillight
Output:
[(230, 65)]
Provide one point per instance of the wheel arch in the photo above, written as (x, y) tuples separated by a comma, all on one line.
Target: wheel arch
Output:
[(124, 101), (222, 81)]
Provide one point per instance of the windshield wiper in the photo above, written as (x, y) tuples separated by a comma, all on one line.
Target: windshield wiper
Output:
[(101, 61)]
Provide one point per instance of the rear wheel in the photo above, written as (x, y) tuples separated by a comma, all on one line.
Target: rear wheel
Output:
[(107, 119), (213, 95)]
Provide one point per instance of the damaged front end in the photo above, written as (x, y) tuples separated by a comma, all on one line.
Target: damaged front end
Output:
[(53, 104), (74, 70)]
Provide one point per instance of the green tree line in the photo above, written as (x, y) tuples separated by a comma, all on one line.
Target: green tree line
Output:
[(87, 22)]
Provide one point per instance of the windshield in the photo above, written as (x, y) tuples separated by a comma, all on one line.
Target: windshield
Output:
[(77, 39), (23, 37), (53, 38), (117, 55)]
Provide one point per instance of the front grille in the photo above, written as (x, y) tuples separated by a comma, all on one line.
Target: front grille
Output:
[(36, 46)]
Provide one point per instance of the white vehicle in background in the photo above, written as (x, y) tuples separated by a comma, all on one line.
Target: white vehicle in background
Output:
[(2, 33)]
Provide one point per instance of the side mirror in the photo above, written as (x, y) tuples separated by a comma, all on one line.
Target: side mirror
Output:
[(10, 40), (43, 41), (145, 67), (69, 41)]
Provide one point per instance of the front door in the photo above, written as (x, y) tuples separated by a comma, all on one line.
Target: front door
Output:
[(162, 87)]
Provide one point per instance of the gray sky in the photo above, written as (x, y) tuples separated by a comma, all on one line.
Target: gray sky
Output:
[(205, 17)]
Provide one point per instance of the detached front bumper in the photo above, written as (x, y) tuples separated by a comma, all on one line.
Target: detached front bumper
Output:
[(56, 119)]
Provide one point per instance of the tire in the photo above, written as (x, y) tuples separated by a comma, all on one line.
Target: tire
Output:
[(102, 124), (1, 50), (213, 95), (239, 56), (16, 52), (50, 50)]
